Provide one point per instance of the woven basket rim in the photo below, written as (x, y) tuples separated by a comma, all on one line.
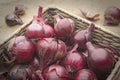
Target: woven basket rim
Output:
[(80, 18)]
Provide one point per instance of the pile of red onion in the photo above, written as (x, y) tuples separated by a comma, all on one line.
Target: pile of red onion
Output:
[(43, 53)]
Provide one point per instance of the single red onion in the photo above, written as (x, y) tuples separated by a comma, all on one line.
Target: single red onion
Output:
[(99, 59), (82, 36), (3, 76), (85, 74), (74, 61), (11, 20), (19, 9), (112, 16), (48, 30), (50, 50), (22, 49), (55, 72), (18, 73), (38, 28), (64, 27)]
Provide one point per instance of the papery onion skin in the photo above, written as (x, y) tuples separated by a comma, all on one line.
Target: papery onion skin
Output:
[(85, 74), (73, 61), (64, 27), (80, 37), (50, 50), (11, 20), (112, 16), (35, 64), (22, 49), (48, 31), (18, 73), (38, 28), (99, 60), (19, 9), (37, 75), (34, 31), (55, 72)]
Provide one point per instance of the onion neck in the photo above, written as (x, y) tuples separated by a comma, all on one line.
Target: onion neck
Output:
[(88, 31), (39, 17), (74, 48), (90, 47), (91, 27), (40, 12), (57, 18)]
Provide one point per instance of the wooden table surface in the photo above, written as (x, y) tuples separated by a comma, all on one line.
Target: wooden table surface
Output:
[(72, 6)]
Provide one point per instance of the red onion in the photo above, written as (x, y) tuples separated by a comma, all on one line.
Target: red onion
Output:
[(3, 77), (82, 36), (85, 74), (12, 20), (64, 27), (18, 73), (74, 60), (50, 50), (38, 29), (34, 65), (19, 9), (55, 72), (112, 16), (22, 49), (37, 75), (99, 59), (48, 30)]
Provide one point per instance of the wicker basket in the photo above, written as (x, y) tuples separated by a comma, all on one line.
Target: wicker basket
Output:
[(100, 36)]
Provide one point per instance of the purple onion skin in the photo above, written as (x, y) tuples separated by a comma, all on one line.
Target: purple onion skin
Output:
[(64, 28), (85, 74), (82, 36), (3, 77), (34, 30), (37, 75), (112, 16), (55, 72), (22, 49), (34, 65), (38, 28), (50, 50), (99, 60), (18, 73), (73, 61)]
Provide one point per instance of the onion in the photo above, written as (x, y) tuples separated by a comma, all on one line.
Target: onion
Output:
[(99, 60), (18, 73), (55, 72), (74, 60), (64, 27), (82, 36), (19, 9), (38, 29), (85, 74), (22, 49), (3, 76), (50, 50), (37, 75), (34, 65), (112, 16), (12, 20)]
